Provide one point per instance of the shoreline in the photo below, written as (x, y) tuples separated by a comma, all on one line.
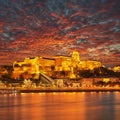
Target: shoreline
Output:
[(48, 90)]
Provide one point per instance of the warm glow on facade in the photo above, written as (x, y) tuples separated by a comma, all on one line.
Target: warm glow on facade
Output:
[(31, 68), (116, 69)]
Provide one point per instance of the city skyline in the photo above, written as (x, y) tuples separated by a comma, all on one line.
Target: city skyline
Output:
[(58, 27)]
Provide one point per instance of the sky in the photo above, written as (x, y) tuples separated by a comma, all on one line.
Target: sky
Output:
[(46, 28)]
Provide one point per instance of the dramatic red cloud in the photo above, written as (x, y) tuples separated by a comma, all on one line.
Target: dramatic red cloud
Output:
[(52, 27)]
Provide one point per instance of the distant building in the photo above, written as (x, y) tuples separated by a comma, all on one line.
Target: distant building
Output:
[(87, 82), (3, 71), (28, 68), (59, 83), (89, 64), (116, 69), (58, 66), (76, 85)]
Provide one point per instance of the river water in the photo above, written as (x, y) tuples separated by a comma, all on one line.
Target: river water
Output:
[(61, 106)]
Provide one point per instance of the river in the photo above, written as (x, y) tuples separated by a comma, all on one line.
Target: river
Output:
[(60, 106)]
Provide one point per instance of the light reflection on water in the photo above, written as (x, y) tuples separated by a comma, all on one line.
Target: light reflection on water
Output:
[(60, 106)]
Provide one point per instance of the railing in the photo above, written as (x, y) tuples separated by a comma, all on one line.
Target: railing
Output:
[(46, 78)]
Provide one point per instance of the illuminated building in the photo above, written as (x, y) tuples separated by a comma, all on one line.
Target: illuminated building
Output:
[(88, 64), (58, 66), (28, 68), (116, 69), (3, 71)]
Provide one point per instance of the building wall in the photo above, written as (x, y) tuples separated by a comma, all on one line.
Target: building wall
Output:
[(89, 64), (116, 69), (57, 64)]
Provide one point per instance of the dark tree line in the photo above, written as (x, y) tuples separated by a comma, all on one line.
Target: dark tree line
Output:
[(99, 72)]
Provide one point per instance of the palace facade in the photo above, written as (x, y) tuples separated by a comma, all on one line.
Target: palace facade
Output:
[(57, 66)]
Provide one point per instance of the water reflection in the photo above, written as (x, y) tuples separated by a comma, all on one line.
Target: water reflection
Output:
[(60, 106), (100, 106)]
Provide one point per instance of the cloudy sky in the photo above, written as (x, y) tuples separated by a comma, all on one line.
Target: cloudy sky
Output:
[(30, 28)]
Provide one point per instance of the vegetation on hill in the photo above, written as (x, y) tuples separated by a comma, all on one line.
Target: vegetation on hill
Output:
[(98, 72)]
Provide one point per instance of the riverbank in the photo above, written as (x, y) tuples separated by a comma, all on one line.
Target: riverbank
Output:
[(68, 90), (39, 90)]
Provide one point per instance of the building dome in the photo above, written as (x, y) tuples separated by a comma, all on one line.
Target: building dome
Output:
[(75, 56)]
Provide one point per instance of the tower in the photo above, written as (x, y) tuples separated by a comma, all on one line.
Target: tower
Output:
[(75, 57)]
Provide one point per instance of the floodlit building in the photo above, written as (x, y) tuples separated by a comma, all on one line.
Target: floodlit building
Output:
[(3, 71), (116, 69), (89, 64), (58, 66), (27, 69)]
